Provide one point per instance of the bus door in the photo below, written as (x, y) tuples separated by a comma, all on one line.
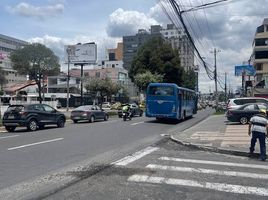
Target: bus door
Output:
[(180, 97)]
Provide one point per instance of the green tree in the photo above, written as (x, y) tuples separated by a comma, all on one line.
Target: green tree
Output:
[(104, 87), (189, 79), (158, 57), (35, 60), (142, 80), (3, 80)]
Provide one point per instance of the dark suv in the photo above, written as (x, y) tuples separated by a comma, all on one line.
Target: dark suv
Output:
[(32, 116)]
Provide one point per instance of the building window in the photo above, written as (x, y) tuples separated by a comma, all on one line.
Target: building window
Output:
[(260, 29), (259, 67), (97, 74), (261, 55)]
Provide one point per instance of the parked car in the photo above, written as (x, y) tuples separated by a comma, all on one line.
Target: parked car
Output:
[(237, 102), (245, 112), (32, 116), (106, 105), (88, 112), (134, 108)]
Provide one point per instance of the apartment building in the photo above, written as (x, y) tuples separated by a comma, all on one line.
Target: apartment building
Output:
[(133, 42), (7, 45), (259, 59), (176, 37)]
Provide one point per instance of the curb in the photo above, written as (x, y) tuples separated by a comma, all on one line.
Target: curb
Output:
[(212, 149)]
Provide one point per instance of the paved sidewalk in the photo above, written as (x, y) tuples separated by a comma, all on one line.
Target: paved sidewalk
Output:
[(217, 134)]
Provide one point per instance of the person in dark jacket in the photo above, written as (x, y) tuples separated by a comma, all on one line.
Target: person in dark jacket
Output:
[(258, 128)]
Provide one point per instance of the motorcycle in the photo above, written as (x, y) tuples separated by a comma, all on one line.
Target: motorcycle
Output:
[(126, 116)]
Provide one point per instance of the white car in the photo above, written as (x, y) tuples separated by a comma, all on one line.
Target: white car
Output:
[(237, 102), (106, 105)]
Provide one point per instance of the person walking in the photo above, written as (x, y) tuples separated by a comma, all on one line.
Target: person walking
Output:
[(258, 129)]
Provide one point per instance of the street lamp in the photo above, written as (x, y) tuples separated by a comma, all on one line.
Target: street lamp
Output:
[(68, 50)]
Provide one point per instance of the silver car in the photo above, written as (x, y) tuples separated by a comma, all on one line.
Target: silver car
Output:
[(238, 102)]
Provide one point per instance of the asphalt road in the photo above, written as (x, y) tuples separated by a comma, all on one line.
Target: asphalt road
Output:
[(37, 162), (170, 171)]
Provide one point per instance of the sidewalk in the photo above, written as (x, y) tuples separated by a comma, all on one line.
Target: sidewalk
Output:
[(217, 134)]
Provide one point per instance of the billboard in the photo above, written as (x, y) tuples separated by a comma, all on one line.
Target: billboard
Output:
[(248, 70), (81, 53)]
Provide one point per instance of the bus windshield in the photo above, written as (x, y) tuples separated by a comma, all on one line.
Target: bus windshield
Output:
[(161, 91)]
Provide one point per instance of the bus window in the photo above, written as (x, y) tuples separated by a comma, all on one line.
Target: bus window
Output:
[(161, 91)]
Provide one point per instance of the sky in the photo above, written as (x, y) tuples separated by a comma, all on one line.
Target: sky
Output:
[(229, 27)]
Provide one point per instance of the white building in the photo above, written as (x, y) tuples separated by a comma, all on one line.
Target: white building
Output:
[(7, 45)]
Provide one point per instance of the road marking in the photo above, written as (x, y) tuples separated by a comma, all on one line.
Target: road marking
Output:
[(214, 163), (208, 171), (206, 185), (8, 136), (28, 145), (139, 154), (136, 123)]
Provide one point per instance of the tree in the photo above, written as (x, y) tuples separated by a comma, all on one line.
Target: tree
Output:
[(103, 87), (3, 80), (142, 80), (189, 79), (158, 57), (35, 60)]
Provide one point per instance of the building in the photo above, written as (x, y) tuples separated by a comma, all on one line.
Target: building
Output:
[(176, 37), (133, 42), (115, 54), (259, 59), (179, 40), (7, 45)]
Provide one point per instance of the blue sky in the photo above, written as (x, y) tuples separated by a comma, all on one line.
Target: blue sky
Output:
[(56, 23)]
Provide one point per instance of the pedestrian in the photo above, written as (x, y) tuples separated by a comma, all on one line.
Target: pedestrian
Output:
[(258, 129)]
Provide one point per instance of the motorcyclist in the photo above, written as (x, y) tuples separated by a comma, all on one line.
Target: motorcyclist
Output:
[(126, 109)]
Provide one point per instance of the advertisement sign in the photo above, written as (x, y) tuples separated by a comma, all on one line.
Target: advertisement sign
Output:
[(248, 70), (81, 53)]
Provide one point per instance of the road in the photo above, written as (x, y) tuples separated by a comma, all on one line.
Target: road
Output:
[(33, 162), (171, 171)]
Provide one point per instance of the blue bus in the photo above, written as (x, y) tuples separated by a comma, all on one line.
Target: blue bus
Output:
[(168, 101)]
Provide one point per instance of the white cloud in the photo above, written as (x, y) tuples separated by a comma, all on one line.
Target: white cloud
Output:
[(40, 12), (122, 23)]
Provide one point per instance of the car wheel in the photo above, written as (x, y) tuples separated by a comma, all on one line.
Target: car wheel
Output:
[(10, 128), (243, 120), (106, 117), (75, 121), (32, 125), (141, 114), (92, 119), (60, 123)]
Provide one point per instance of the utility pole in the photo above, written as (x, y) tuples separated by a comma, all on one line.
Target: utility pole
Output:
[(215, 77), (68, 78), (225, 87)]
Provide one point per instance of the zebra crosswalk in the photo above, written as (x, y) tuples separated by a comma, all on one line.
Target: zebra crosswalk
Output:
[(214, 175), (233, 136)]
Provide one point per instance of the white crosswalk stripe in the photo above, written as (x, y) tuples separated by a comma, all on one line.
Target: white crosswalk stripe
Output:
[(182, 174), (207, 185)]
